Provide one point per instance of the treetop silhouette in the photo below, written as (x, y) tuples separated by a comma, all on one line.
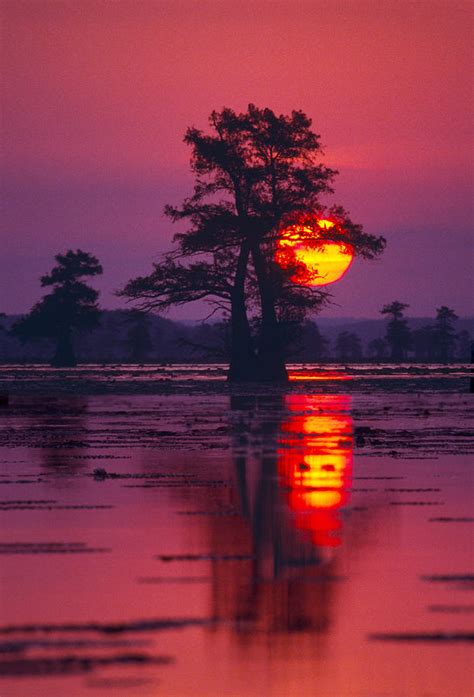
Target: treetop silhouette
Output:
[(399, 336), (445, 333)]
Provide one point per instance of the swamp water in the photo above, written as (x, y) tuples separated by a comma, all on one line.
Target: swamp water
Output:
[(314, 541)]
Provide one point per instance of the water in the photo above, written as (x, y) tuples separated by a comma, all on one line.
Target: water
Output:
[(310, 541), (211, 377)]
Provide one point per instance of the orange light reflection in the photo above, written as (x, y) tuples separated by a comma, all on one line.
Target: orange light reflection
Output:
[(316, 263), (309, 375), (315, 463)]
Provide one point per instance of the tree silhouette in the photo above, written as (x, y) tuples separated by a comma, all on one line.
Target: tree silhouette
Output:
[(348, 346), (378, 349), (398, 335), (424, 343), (314, 345), (254, 173), (138, 340), (464, 345), (445, 333), (71, 305)]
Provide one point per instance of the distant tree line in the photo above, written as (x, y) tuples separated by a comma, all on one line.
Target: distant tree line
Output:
[(436, 342), (67, 326)]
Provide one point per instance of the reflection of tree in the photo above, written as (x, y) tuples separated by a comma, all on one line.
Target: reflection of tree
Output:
[(292, 456), (61, 433)]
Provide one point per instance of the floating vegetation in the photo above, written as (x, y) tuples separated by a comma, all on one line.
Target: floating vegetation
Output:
[(422, 637), (452, 609), (174, 579), (49, 548), (69, 665), (204, 557), (449, 578), (447, 519), (147, 625)]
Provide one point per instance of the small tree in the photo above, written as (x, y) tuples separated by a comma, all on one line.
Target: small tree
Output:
[(71, 305), (398, 335), (138, 339), (445, 333)]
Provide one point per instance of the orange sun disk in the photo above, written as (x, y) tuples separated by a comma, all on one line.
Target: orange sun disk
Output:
[(315, 264)]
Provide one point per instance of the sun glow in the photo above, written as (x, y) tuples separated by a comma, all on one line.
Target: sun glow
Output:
[(315, 463), (314, 376), (316, 261)]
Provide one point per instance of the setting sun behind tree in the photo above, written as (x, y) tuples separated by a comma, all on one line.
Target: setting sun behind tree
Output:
[(316, 261)]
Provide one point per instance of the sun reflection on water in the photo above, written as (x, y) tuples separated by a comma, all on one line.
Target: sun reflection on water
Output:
[(315, 463)]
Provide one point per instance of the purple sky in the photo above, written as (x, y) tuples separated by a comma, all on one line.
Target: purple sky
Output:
[(97, 96)]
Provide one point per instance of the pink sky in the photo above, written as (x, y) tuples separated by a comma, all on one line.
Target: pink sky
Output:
[(97, 96)]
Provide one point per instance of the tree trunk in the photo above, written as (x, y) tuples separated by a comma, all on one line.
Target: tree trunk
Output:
[(243, 363), (64, 356), (270, 358)]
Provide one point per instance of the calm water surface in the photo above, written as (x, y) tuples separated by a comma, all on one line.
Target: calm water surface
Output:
[(296, 543)]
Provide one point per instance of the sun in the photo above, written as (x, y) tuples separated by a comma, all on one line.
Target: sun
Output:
[(315, 262)]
